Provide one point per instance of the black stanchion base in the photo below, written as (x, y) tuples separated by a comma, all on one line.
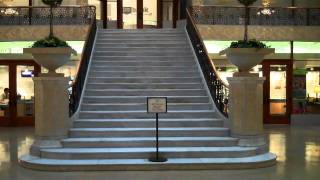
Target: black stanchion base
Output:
[(160, 159)]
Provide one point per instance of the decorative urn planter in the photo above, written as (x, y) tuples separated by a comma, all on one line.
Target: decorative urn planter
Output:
[(50, 58), (246, 58)]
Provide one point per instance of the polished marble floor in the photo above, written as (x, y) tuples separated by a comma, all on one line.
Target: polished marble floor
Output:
[(298, 150)]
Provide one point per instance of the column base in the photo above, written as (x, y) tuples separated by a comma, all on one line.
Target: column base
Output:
[(258, 141), (44, 144)]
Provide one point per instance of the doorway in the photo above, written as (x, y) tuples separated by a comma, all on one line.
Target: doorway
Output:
[(17, 92), (277, 91), (133, 14)]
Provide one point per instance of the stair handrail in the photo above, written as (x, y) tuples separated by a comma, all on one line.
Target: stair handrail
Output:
[(78, 84), (218, 89)]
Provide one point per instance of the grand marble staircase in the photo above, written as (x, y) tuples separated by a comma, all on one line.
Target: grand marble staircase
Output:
[(114, 131)]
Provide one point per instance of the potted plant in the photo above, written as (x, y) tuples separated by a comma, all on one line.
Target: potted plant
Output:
[(245, 53), (50, 52)]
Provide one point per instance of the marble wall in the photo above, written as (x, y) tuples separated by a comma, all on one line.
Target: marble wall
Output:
[(272, 33), (32, 33), (300, 3)]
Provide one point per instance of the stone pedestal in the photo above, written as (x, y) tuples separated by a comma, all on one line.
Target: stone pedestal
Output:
[(51, 112), (246, 110)]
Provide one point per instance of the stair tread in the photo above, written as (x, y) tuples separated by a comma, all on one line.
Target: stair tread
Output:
[(128, 104), (134, 90), (146, 120), (171, 161), (148, 149), (125, 139), (149, 129), (143, 111)]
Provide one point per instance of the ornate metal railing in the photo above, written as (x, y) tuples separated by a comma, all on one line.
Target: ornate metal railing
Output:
[(219, 91), (40, 15), (78, 85), (274, 16)]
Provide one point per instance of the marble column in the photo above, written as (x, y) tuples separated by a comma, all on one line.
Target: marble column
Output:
[(51, 111), (246, 110)]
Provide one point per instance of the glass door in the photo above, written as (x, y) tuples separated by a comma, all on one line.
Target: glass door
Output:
[(4, 96), (17, 92), (277, 91), (24, 94)]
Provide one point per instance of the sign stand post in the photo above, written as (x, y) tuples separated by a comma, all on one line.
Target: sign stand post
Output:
[(157, 105)]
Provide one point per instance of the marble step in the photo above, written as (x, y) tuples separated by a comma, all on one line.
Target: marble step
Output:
[(145, 92), (137, 45), (176, 58), (140, 38), (144, 80), (142, 73), (143, 99), (140, 31), (142, 106), (147, 152), (149, 132), (249, 162), (146, 34), (136, 123), (144, 68), (144, 41), (142, 53), (144, 85), (144, 115), (142, 49), (131, 142), (144, 63)]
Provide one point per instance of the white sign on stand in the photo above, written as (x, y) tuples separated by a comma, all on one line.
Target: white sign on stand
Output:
[(157, 105)]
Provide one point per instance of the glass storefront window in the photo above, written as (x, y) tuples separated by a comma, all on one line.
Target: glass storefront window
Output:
[(313, 84), (149, 13), (25, 91), (4, 98), (129, 14), (278, 89), (306, 47)]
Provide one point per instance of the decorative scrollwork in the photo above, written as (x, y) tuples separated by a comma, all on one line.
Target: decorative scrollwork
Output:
[(273, 16), (62, 15)]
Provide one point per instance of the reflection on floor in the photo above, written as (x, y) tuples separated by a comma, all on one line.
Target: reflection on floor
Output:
[(298, 150)]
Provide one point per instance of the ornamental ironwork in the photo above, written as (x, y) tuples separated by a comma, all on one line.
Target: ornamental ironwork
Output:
[(62, 15)]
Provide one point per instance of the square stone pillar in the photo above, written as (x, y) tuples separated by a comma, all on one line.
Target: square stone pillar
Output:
[(246, 110), (51, 112)]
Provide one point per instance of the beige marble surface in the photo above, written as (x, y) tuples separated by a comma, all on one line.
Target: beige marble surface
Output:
[(298, 150), (271, 33), (51, 104), (32, 33), (51, 112), (246, 106)]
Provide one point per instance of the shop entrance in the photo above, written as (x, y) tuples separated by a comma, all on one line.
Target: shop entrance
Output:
[(277, 93), (133, 14), (17, 92)]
